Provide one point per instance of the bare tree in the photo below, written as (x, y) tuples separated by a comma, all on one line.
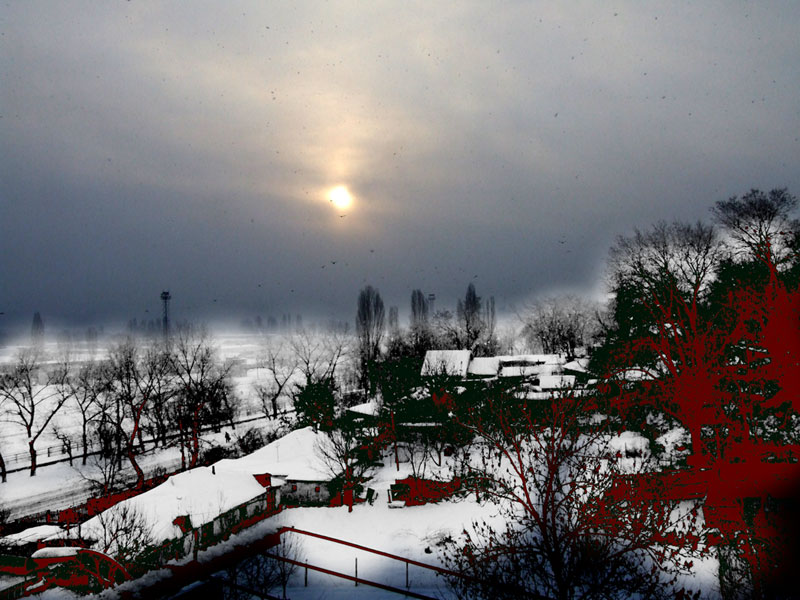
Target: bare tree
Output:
[(261, 573), (67, 441), (37, 329), (281, 362), (447, 335), (468, 313), (420, 329), (394, 323), (132, 382), (566, 533), (33, 404), (87, 387), (318, 355), (340, 450), (419, 309), (3, 472), (123, 532), (203, 394), (288, 548), (676, 254), (103, 467), (369, 329), (760, 224), (157, 414), (557, 324)]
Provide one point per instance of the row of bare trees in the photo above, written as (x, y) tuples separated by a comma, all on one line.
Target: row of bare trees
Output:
[(158, 391)]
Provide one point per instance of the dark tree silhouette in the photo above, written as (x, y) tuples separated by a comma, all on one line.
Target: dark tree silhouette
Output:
[(281, 364), (558, 324), (419, 309), (370, 317), (315, 403), (760, 224), (468, 312), (566, 532), (37, 328), (712, 340)]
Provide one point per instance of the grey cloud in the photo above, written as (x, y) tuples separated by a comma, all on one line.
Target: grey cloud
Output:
[(153, 146)]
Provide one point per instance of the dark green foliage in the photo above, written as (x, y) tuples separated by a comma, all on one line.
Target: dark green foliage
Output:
[(252, 440), (216, 453), (398, 376), (315, 404), (370, 317)]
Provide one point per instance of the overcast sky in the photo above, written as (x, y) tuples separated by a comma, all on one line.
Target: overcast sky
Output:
[(192, 146)]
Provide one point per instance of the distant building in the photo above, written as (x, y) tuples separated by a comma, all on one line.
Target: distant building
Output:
[(461, 363)]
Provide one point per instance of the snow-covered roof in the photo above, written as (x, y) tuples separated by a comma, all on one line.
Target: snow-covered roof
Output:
[(451, 362), (484, 366), (525, 371), (579, 365), (293, 457), (635, 374), (533, 359), (370, 408), (556, 382), (199, 493)]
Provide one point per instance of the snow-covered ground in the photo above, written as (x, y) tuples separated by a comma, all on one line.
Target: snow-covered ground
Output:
[(410, 532)]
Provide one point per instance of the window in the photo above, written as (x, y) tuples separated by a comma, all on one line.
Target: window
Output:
[(316, 489), (294, 487)]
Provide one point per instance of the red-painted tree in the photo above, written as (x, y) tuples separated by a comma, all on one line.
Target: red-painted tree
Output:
[(704, 332), (564, 532)]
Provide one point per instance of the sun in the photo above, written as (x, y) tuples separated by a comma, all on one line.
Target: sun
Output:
[(340, 197)]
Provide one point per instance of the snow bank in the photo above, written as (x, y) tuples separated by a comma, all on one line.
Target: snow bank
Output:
[(293, 457), (30, 535)]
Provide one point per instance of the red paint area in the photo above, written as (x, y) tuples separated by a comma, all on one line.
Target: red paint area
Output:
[(731, 376), (416, 492), (85, 570)]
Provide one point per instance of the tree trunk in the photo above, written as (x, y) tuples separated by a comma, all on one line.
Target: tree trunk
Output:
[(141, 439), (131, 452), (195, 453), (3, 474), (183, 445), (85, 442), (32, 451), (136, 467)]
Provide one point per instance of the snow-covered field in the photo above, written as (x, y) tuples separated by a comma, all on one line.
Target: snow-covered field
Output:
[(245, 352)]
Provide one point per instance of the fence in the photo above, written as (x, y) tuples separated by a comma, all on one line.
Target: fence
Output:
[(59, 453)]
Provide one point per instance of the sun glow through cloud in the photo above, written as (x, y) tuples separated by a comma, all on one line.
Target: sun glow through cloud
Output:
[(340, 197)]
